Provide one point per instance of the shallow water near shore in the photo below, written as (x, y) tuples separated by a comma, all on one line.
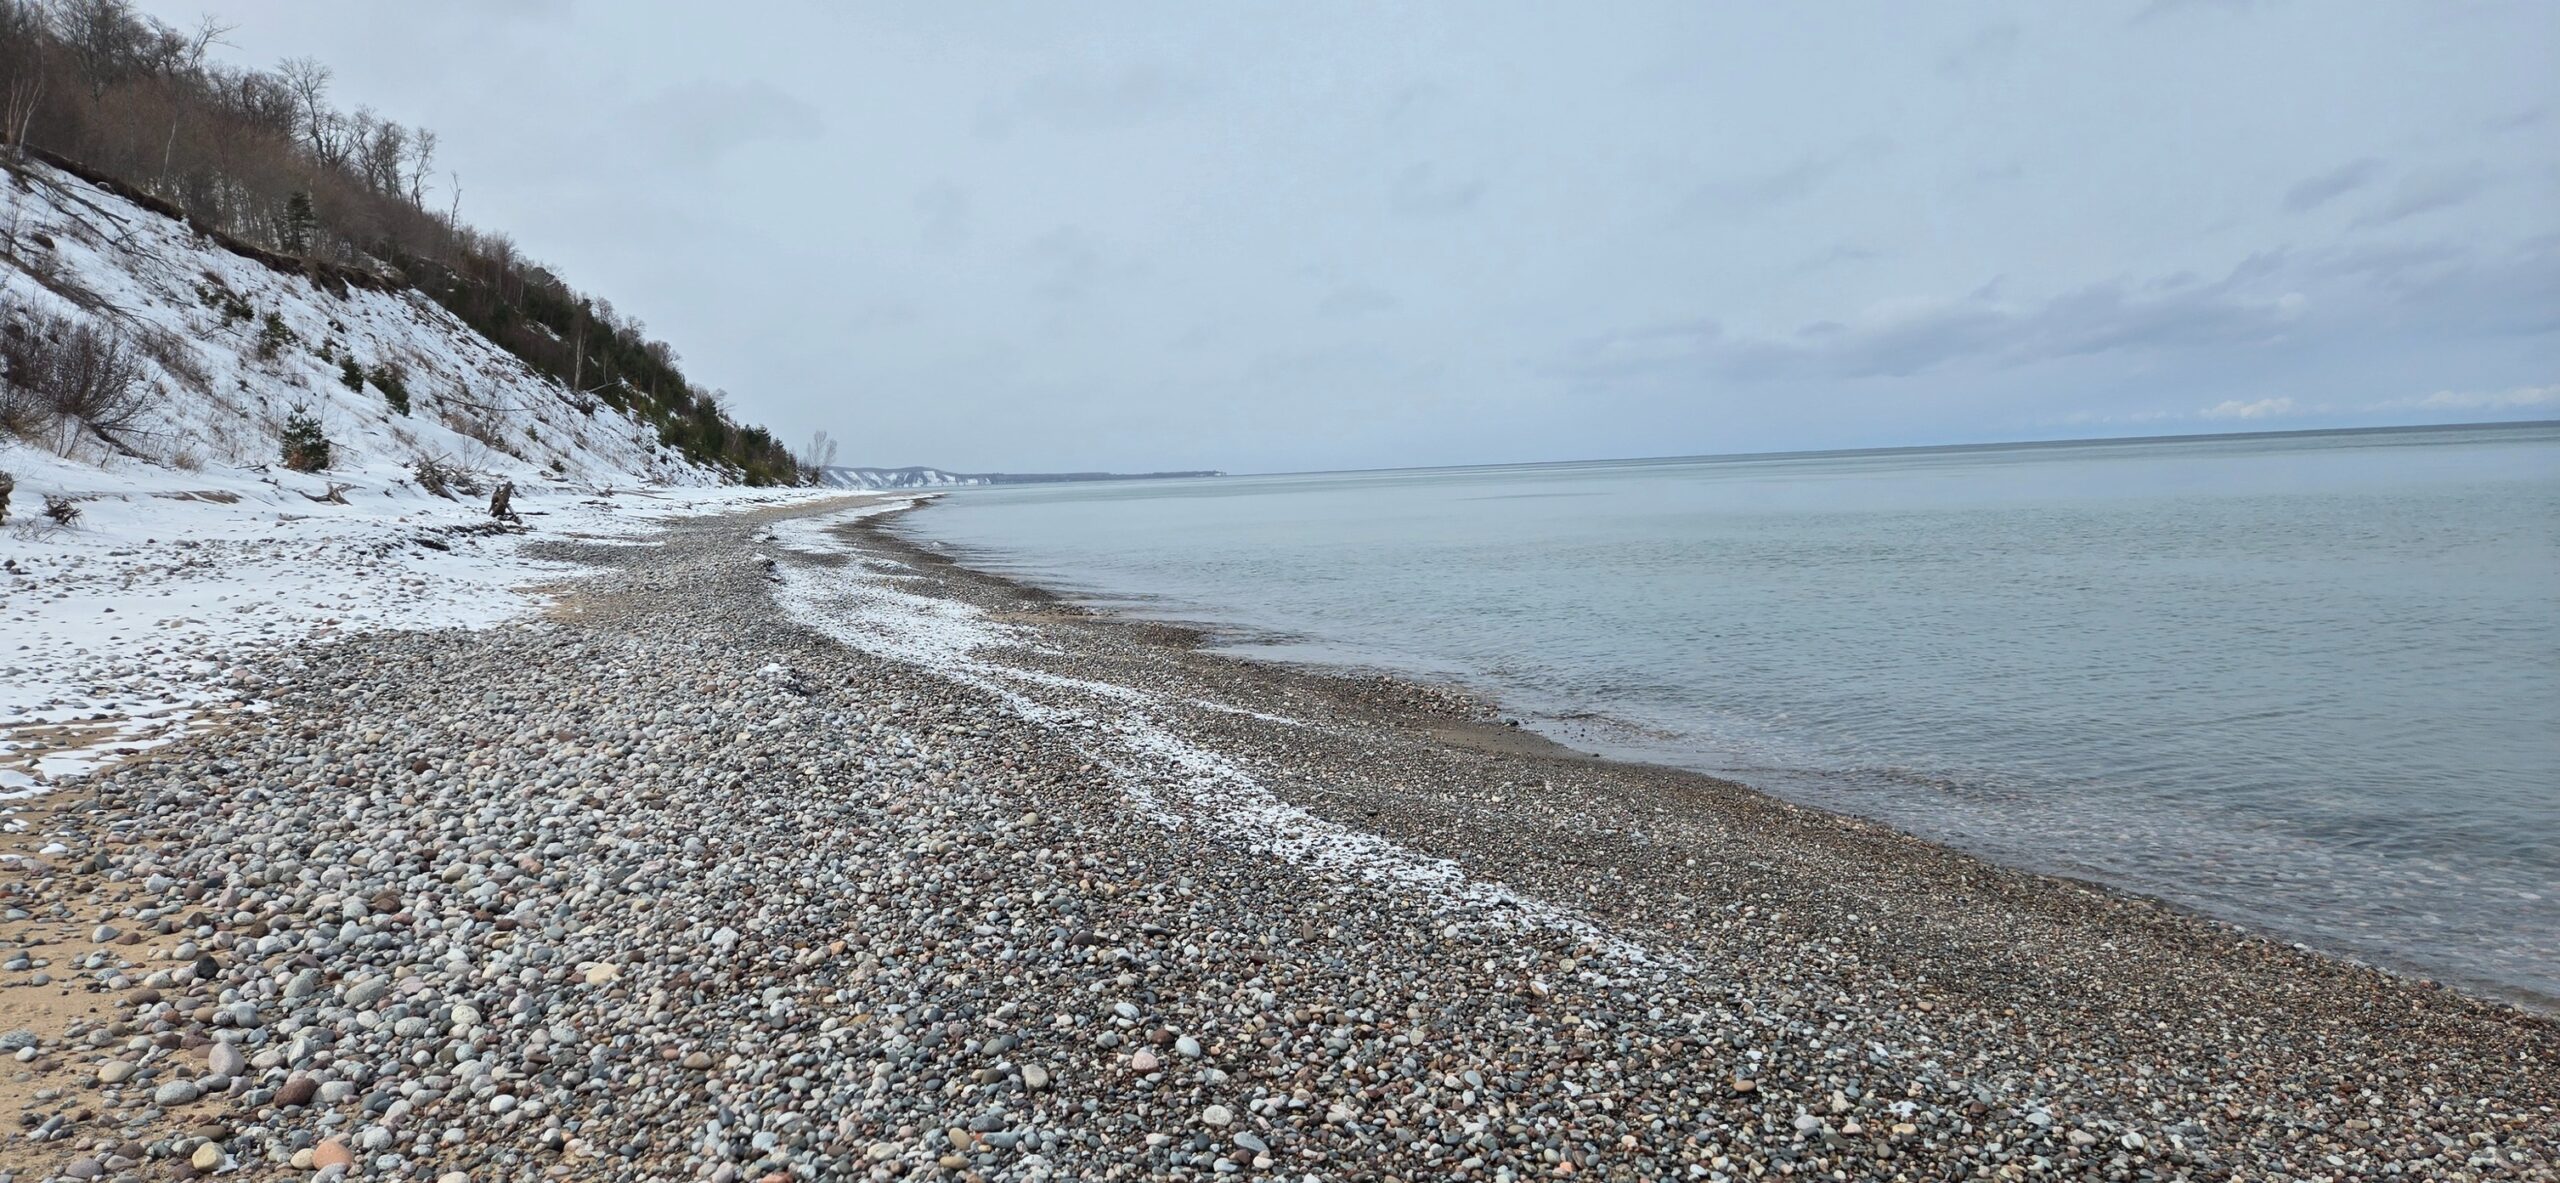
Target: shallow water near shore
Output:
[(2309, 682)]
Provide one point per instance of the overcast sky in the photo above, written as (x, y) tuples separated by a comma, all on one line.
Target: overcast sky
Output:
[(1305, 235)]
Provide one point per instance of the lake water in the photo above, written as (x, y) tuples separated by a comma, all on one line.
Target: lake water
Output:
[(2306, 682)]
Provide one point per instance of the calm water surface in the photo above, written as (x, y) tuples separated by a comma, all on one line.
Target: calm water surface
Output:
[(2308, 682)]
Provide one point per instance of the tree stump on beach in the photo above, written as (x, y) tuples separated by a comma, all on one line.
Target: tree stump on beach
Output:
[(502, 502)]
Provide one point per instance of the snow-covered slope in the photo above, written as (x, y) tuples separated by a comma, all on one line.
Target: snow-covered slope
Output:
[(193, 545), (226, 375), (919, 477), (896, 478)]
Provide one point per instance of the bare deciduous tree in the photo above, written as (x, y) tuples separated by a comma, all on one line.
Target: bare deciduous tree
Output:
[(22, 45), (103, 36), (822, 451), (59, 370), (209, 33), (307, 80), (422, 159)]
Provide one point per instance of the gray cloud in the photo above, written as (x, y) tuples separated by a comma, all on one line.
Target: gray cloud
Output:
[(1751, 194), (1420, 191), (1069, 266), (515, 10), (2313, 192), (1977, 331), (2402, 268), (2450, 290), (699, 122), (2276, 407), (1290, 368), (2524, 120), (942, 216), (1759, 192), (2158, 9), (2520, 398), (1064, 265), (1415, 101), (1843, 254), (856, 319), (1987, 50), (2345, 297), (1085, 101), (1356, 299), (2427, 192)]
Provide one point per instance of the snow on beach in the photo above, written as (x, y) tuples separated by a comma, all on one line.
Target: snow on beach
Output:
[(1168, 778), (192, 543), (116, 632)]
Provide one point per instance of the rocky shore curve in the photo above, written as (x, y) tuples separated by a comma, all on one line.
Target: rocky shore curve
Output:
[(784, 850)]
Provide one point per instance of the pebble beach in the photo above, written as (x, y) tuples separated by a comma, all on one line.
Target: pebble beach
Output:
[(783, 849)]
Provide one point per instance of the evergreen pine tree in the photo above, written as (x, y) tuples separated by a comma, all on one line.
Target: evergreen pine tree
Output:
[(306, 448), (299, 222)]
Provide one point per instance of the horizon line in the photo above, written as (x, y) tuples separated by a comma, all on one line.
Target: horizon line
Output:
[(1212, 472), (1888, 449)]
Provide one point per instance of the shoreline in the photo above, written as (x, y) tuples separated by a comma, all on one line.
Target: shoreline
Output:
[(1487, 728), (841, 859), (1458, 717)]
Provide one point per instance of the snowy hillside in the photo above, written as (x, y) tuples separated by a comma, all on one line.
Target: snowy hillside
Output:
[(934, 478), (228, 346), (178, 541), (896, 478)]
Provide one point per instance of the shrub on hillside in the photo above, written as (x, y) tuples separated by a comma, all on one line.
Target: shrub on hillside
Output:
[(306, 447), (21, 407), (394, 385), (227, 302), (58, 369), (350, 375), (444, 478), (273, 336), (177, 358)]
